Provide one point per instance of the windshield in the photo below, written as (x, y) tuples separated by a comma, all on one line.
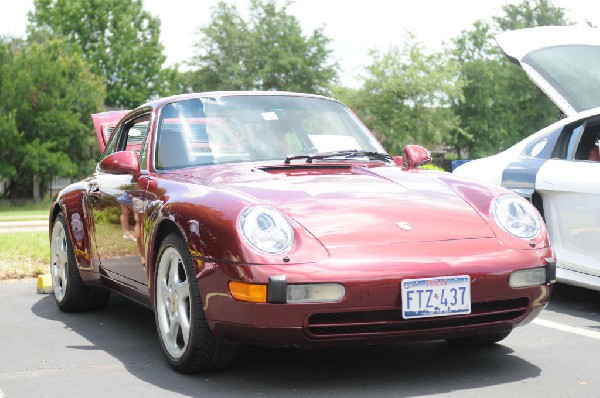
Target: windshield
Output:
[(571, 71), (203, 131)]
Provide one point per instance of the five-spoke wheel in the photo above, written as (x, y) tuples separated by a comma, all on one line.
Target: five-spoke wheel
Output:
[(186, 339), (70, 292)]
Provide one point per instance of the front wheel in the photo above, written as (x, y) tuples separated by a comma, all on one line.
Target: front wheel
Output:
[(70, 292), (479, 340), (187, 342)]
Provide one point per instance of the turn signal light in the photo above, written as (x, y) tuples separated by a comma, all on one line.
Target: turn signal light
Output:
[(250, 292), (528, 277)]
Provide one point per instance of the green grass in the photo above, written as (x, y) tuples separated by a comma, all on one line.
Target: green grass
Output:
[(24, 210), (24, 204), (24, 254), (23, 215)]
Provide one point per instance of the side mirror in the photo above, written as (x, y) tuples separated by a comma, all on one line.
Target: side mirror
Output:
[(415, 156), (122, 162)]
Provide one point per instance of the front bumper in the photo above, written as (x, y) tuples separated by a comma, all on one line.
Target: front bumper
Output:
[(370, 311)]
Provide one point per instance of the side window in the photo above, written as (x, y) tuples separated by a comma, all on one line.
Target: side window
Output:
[(127, 136), (587, 148), (143, 153), (574, 141), (113, 142), (136, 131), (568, 140), (580, 141)]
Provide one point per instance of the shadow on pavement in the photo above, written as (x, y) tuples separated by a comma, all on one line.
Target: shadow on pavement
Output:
[(127, 332), (576, 301)]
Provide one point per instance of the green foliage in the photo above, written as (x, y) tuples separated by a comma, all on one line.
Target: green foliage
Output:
[(118, 39), (500, 105), (109, 215), (8, 135), (47, 93), (406, 95), (529, 14), (265, 52), (432, 167)]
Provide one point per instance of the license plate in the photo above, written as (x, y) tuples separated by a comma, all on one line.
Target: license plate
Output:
[(441, 296)]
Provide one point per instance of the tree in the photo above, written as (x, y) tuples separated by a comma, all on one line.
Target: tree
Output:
[(486, 110), (500, 105), (529, 14), (118, 39), (47, 93), (266, 51), (406, 95)]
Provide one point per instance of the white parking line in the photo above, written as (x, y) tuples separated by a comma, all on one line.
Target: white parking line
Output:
[(567, 328)]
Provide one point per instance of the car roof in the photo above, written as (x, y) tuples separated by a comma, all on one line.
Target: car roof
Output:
[(166, 100)]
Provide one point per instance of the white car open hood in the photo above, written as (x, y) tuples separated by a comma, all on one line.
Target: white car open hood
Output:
[(564, 61)]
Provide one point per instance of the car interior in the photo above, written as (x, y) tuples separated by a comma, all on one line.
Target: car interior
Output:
[(587, 149), (579, 141)]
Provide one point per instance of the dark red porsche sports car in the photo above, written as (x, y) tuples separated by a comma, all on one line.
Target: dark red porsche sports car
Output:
[(277, 218)]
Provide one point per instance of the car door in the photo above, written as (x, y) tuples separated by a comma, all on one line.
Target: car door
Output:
[(561, 60), (118, 202), (570, 189)]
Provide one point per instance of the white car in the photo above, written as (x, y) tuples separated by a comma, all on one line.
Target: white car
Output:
[(558, 168)]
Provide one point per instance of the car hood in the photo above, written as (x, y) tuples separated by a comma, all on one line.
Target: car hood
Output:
[(560, 60), (354, 205)]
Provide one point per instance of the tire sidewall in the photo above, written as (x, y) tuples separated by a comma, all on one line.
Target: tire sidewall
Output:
[(176, 242), (71, 267)]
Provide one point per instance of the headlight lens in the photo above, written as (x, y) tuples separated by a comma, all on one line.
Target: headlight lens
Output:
[(266, 229), (516, 216)]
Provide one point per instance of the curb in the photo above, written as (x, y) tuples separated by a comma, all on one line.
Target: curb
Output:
[(44, 286)]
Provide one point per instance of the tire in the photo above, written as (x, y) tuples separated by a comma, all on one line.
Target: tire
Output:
[(70, 292), (481, 340), (538, 203), (187, 342)]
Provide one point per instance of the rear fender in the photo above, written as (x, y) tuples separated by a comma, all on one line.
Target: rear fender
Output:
[(72, 202)]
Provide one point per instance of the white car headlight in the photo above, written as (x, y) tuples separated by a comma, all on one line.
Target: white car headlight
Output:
[(266, 229), (516, 216)]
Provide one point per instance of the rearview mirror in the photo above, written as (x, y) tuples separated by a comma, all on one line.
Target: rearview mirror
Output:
[(415, 156), (122, 162)]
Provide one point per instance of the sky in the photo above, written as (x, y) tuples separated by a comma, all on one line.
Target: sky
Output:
[(355, 26)]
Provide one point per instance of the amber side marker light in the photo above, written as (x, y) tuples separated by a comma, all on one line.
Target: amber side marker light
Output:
[(249, 292)]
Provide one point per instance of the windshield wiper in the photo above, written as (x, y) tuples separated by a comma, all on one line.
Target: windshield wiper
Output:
[(347, 154)]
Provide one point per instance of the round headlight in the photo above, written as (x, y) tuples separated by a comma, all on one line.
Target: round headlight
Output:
[(266, 229), (516, 216)]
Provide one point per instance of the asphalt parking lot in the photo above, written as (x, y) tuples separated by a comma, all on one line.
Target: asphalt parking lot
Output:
[(115, 352)]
